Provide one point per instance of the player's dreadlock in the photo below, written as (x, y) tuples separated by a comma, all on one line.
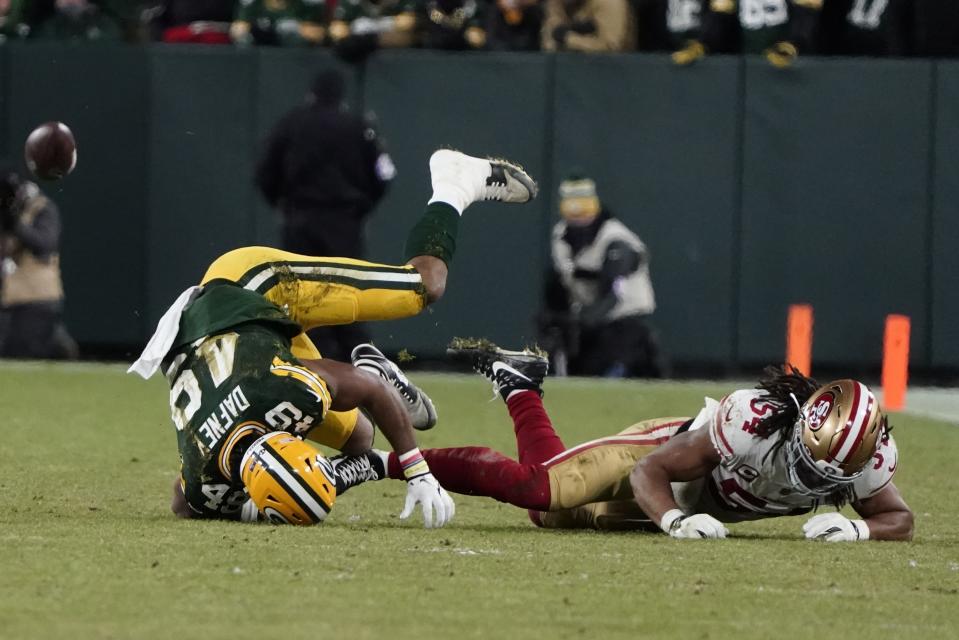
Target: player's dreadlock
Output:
[(778, 383), (781, 384)]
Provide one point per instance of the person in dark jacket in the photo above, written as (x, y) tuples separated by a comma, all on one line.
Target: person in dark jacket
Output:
[(325, 170), (31, 291)]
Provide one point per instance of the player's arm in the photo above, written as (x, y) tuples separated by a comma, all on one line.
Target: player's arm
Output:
[(179, 505), (886, 514), (687, 456), (885, 517), (351, 387)]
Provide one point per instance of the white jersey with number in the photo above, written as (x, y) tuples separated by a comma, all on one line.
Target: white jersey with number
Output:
[(751, 480)]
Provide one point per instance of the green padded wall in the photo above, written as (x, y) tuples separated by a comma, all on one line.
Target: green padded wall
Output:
[(831, 183), (101, 93), (661, 142), (4, 88), (482, 104), (202, 137), (945, 227), (835, 208)]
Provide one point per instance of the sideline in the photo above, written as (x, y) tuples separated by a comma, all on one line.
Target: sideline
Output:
[(939, 403)]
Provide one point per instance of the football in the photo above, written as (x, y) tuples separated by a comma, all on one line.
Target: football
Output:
[(51, 151)]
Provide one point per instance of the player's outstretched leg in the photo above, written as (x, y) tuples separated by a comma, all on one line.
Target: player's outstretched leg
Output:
[(481, 471), (517, 376), (418, 404), (460, 180)]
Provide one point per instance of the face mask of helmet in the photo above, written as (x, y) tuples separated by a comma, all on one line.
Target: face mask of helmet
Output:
[(809, 476)]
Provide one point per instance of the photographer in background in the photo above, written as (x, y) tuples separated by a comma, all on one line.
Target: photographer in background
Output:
[(31, 291), (599, 292)]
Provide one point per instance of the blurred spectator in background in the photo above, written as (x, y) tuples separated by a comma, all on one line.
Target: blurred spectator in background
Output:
[(325, 169), (453, 25), (667, 25), (599, 292), (191, 21), (588, 25), (360, 27), (279, 22), (80, 20), (31, 292), (867, 27), (936, 28), (514, 25), (13, 24), (779, 29)]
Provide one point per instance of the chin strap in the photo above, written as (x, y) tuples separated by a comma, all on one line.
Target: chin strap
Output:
[(796, 402)]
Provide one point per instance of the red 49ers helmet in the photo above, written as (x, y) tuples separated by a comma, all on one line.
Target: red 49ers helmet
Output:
[(837, 432)]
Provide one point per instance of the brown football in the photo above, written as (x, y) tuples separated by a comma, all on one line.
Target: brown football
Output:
[(51, 151)]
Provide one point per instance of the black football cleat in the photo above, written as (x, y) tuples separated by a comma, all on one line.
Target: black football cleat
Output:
[(350, 471), (507, 370)]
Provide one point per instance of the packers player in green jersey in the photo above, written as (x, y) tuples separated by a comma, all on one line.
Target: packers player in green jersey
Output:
[(241, 367)]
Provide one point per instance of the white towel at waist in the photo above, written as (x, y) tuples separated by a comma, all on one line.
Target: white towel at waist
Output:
[(169, 325)]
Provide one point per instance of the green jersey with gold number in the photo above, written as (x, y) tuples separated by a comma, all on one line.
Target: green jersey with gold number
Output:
[(233, 378)]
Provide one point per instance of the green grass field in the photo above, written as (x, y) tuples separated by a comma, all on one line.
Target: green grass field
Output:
[(90, 549)]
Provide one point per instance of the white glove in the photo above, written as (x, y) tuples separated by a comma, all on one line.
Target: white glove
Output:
[(700, 525), (427, 491), (835, 527)]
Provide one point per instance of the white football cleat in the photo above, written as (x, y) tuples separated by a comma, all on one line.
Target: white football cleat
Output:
[(462, 180), (418, 405)]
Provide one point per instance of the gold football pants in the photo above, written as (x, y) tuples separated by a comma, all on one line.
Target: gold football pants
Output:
[(315, 292), (589, 483)]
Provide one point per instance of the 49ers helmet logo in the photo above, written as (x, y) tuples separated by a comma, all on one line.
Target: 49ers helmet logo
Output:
[(816, 414)]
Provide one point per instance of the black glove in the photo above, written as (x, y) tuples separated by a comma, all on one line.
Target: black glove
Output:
[(583, 27), (559, 35)]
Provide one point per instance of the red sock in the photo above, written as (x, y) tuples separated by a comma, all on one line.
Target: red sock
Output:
[(536, 439), (480, 471)]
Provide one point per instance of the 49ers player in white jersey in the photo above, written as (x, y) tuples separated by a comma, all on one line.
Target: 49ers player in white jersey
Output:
[(787, 447), (753, 456)]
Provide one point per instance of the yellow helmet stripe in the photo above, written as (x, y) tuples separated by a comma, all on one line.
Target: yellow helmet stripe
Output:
[(309, 502), (241, 431)]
